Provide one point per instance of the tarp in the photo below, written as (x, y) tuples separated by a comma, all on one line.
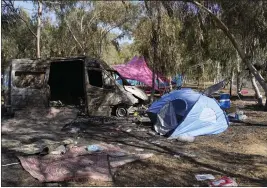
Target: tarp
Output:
[(214, 88), (137, 69), (187, 113)]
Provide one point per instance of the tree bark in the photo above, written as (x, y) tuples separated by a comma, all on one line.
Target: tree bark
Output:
[(170, 83), (238, 77), (256, 89), (240, 51), (38, 35), (218, 76), (231, 81), (154, 41)]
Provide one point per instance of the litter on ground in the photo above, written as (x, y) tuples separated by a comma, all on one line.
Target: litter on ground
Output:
[(223, 182), (202, 177)]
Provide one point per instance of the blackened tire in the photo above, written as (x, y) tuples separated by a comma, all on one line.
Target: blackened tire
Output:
[(121, 111)]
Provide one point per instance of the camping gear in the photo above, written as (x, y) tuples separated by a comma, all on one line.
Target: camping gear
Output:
[(187, 113), (224, 101), (216, 87), (137, 69), (178, 80)]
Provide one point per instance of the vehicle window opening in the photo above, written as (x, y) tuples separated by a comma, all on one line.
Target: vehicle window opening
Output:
[(66, 82), (33, 80), (95, 78)]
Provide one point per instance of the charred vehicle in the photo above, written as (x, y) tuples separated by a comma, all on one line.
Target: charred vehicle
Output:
[(76, 80)]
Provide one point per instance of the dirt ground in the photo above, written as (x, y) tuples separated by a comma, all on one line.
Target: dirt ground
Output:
[(240, 152)]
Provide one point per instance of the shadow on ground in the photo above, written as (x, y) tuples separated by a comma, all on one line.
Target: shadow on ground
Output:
[(174, 163)]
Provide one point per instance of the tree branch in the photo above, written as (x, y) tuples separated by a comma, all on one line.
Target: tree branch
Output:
[(82, 23), (241, 52), (12, 8), (74, 37)]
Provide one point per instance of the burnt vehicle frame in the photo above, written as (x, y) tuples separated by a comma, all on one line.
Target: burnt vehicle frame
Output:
[(72, 80)]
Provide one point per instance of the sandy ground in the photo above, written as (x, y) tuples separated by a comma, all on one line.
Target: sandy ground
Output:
[(240, 152)]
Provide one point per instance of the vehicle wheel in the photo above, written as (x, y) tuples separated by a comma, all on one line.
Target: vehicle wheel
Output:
[(121, 111)]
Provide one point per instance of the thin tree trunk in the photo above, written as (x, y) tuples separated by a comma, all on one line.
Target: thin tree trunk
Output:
[(38, 35), (238, 77), (231, 81), (256, 89), (170, 83), (218, 72)]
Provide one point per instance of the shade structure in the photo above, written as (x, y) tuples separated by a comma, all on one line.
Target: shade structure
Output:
[(137, 69)]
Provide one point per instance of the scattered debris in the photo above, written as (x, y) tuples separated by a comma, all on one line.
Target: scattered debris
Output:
[(128, 130), (128, 159), (139, 149), (59, 150), (152, 133), (56, 103), (155, 142), (202, 177), (185, 138), (223, 182), (186, 154), (94, 148), (237, 117), (177, 156), (11, 164)]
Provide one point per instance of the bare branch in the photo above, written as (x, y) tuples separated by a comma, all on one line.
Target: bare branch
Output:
[(82, 23), (74, 37)]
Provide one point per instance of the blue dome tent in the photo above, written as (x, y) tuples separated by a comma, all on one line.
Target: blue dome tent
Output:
[(187, 113)]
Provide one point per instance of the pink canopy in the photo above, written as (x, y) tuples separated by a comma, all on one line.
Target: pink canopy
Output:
[(137, 69)]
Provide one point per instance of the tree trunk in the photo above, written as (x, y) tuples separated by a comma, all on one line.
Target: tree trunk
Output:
[(218, 76), (238, 77), (240, 51), (203, 76), (231, 81), (256, 89), (170, 83), (155, 43), (38, 35)]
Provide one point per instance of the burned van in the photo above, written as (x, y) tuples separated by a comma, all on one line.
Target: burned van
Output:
[(72, 81)]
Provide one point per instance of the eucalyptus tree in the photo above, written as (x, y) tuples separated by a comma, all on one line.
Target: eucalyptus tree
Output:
[(248, 21), (89, 24), (157, 39), (16, 39), (232, 36)]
